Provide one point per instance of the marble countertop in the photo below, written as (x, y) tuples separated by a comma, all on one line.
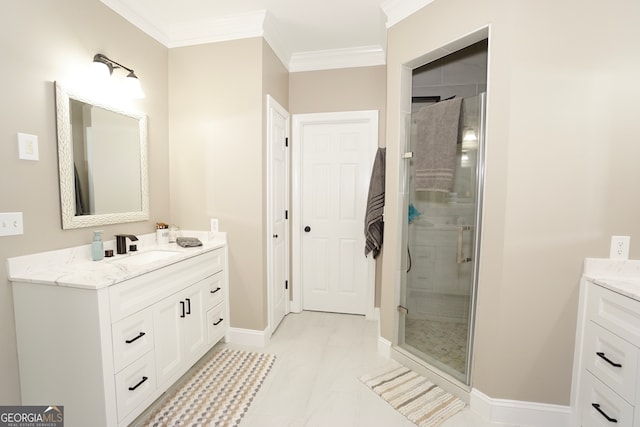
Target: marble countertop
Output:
[(73, 267), (621, 276)]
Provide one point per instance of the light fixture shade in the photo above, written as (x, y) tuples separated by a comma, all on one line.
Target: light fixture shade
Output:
[(133, 88), (100, 71)]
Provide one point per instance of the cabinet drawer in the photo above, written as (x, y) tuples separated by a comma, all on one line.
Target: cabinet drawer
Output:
[(215, 290), (615, 312), (216, 324), (603, 352), (611, 404), (134, 384), (132, 337)]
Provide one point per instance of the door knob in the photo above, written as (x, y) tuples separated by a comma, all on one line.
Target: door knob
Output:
[(307, 229), (275, 236)]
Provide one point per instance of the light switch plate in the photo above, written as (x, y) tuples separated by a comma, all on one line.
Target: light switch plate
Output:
[(28, 147), (11, 224)]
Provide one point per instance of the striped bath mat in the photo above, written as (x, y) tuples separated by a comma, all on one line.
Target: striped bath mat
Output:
[(218, 394), (415, 397)]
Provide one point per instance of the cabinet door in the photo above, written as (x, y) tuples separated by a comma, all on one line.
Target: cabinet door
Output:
[(193, 324), (168, 337)]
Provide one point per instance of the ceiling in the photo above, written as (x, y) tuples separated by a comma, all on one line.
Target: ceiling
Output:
[(304, 34)]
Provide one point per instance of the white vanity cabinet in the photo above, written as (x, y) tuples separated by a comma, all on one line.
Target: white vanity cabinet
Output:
[(606, 384), (107, 353)]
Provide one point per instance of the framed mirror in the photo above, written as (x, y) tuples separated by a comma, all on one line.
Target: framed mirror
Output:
[(102, 160)]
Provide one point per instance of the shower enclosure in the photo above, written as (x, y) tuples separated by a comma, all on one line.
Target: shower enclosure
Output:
[(441, 241)]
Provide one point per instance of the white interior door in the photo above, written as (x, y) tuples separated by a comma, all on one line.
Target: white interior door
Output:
[(336, 153), (278, 237)]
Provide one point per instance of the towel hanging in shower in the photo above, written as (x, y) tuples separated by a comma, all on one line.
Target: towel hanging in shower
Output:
[(373, 222), (435, 153)]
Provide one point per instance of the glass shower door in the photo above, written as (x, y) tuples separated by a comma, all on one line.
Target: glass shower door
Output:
[(441, 235)]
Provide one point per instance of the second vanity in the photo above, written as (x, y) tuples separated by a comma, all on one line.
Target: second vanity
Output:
[(105, 339), (606, 372)]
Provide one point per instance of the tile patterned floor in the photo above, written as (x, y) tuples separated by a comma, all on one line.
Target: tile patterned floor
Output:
[(444, 341), (314, 382)]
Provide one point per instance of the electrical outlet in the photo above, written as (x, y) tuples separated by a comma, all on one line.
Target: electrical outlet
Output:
[(214, 225), (11, 224), (619, 247)]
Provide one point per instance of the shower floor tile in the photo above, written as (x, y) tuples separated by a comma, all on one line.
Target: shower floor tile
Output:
[(444, 341)]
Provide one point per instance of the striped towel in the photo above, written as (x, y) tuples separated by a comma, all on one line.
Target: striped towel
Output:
[(373, 223)]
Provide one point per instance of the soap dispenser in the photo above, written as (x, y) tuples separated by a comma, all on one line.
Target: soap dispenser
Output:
[(97, 249)]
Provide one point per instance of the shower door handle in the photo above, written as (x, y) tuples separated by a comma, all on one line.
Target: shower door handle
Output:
[(461, 229)]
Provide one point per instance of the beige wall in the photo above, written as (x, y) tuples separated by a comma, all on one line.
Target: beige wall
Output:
[(216, 159), (561, 173), (275, 78), (41, 42), (217, 113)]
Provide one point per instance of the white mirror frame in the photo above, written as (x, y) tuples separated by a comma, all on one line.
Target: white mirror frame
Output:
[(65, 164)]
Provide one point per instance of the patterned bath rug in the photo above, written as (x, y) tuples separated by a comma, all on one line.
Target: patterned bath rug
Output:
[(217, 394), (415, 397)]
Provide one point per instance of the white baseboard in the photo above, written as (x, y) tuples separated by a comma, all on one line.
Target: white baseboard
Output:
[(499, 411), (384, 347), (515, 412), (248, 337)]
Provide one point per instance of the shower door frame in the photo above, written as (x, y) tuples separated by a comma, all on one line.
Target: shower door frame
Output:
[(477, 216), (443, 379)]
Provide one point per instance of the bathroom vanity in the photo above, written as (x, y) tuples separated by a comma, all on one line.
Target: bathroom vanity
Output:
[(105, 339), (606, 381)]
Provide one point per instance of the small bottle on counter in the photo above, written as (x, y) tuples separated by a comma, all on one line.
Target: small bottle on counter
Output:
[(97, 248)]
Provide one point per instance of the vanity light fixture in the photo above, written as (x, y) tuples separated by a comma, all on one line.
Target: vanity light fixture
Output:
[(103, 68)]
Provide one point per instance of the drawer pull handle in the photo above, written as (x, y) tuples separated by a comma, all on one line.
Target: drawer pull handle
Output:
[(188, 305), (182, 305), (140, 335), (597, 406), (601, 354), (215, 290), (139, 384), (218, 322)]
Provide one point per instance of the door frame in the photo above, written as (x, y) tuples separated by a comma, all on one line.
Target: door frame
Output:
[(299, 122), (272, 104)]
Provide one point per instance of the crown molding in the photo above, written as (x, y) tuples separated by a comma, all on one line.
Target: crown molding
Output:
[(274, 38), (252, 24), (224, 28), (397, 10), (364, 56)]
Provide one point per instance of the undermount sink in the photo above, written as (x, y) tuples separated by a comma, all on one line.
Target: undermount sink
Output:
[(145, 257)]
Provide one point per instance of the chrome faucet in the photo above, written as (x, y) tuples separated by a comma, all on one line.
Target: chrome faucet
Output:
[(121, 242)]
